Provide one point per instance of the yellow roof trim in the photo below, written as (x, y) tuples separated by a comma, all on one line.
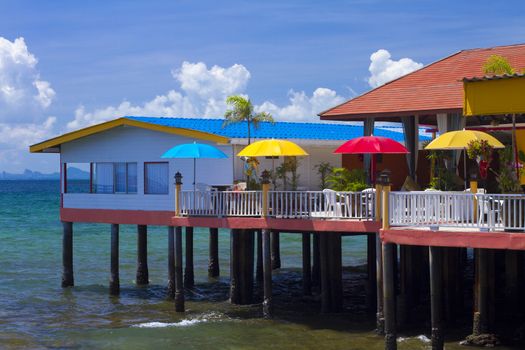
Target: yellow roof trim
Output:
[(90, 130)]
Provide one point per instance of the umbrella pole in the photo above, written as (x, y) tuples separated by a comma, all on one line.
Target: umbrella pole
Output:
[(515, 146), (194, 177), (465, 167), (373, 169)]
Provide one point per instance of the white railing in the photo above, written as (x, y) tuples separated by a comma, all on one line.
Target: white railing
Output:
[(281, 204), (321, 204), (220, 204), (457, 209)]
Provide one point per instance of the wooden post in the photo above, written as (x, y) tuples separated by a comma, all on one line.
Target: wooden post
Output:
[(371, 271), (114, 280), (213, 262), (142, 277), (335, 272), (474, 190), (512, 299), (179, 285), (171, 262), (259, 266), (67, 254), (267, 268), (316, 266), (326, 304), (189, 277), (389, 296), (246, 266), (307, 269), (480, 322), (378, 197), (276, 251), (234, 267), (380, 318), (436, 296), (384, 213)]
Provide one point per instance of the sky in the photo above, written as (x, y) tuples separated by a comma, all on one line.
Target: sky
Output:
[(69, 64)]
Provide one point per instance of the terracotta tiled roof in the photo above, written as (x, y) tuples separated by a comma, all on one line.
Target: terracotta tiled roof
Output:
[(437, 87)]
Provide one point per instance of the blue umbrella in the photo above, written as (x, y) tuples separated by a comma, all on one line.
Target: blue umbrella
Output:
[(194, 150)]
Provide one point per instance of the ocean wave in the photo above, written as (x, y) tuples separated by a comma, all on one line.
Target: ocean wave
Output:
[(183, 323)]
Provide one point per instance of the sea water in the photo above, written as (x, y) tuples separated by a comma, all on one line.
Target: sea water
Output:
[(36, 313)]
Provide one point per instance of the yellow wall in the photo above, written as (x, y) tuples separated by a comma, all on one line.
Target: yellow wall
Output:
[(499, 96)]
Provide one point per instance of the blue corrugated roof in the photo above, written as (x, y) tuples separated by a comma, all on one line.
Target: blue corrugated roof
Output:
[(277, 130)]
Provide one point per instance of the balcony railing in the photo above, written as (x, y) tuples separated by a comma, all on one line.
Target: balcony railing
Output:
[(281, 204), (486, 212)]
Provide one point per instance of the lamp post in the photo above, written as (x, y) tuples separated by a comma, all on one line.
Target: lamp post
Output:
[(178, 185)]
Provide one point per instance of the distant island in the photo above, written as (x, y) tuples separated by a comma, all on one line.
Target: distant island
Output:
[(72, 174)]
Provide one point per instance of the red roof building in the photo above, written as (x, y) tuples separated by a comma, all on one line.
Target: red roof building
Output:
[(435, 88)]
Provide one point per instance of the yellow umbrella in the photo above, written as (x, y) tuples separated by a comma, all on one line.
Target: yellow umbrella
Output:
[(272, 148), (459, 140)]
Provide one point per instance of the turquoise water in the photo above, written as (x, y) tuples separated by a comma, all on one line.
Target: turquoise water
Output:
[(35, 313)]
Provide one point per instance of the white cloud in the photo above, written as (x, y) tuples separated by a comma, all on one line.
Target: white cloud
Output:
[(23, 95), (302, 107), (15, 140), (203, 92), (383, 69)]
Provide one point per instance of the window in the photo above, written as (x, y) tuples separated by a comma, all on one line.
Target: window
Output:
[(131, 177), (156, 178), (115, 178), (104, 179), (77, 177)]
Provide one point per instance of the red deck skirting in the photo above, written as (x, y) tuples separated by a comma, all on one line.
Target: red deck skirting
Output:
[(165, 218), (291, 225), (490, 240), (131, 217)]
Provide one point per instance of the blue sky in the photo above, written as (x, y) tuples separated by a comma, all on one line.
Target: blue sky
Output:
[(95, 55)]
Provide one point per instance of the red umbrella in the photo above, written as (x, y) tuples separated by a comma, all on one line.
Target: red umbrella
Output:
[(372, 145)]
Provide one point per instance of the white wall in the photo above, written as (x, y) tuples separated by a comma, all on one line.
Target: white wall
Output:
[(131, 144)]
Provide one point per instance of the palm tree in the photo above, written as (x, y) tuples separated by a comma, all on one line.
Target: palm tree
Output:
[(242, 110)]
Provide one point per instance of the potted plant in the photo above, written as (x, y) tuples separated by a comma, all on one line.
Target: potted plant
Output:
[(481, 152), (323, 170)]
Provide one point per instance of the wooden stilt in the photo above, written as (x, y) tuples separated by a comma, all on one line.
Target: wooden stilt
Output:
[(246, 265), (316, 267), (171, 262), (436, 296), (114, 280), (234, 267), (404, 282), (380, 318), (142, 277), (267, 269), (179, 285), (389, 293), (259, 266), (326, 305), (276, 250), (371, 272), (307, 269), (189, 277), (480, 323), (336, 272), (67, 254), (213, 262)]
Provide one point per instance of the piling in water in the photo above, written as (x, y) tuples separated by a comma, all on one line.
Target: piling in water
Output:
[(189, 277), (67, 255), (213, 261), (142, 277), (114, 280), (179, 286), (171, 262)]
